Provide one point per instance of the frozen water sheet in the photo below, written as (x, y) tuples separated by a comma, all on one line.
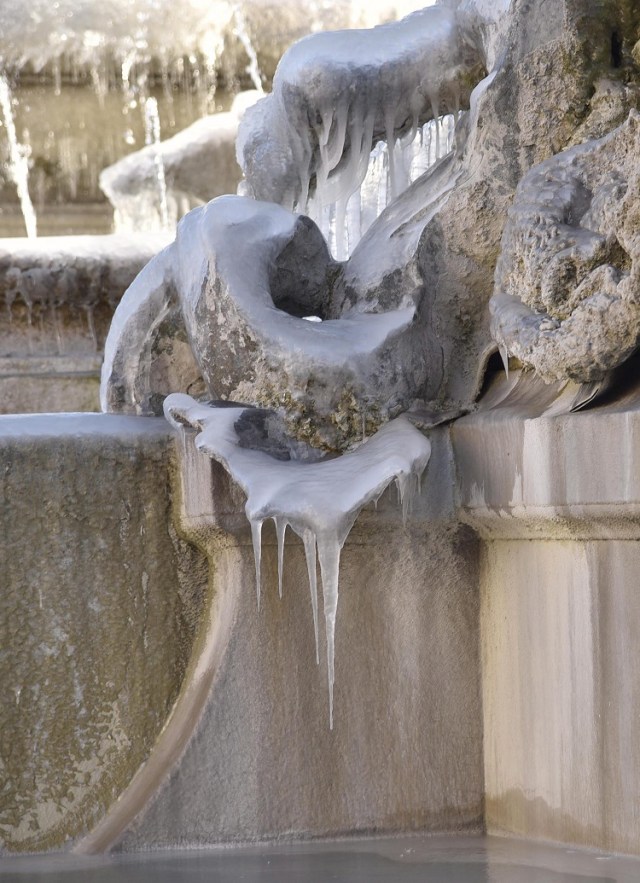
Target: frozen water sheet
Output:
[(320, 501)]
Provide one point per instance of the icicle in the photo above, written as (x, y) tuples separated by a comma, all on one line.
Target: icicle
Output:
[(256, 538), (435, 110), (504, 355), (281, 529), (391, 147), (329, 555), (340, 229), (319, 500), (309, 540)]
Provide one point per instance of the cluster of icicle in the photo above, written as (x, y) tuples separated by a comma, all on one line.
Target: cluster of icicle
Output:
[(308, 145), (319, 500), (390, 170)]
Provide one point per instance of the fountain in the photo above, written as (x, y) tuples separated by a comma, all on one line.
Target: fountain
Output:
[(480, 642), (83, 91)]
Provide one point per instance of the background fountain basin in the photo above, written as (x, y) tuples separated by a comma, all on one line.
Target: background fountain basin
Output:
[(59, 295)]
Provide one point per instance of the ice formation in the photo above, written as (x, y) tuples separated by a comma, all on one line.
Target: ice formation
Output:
[(197, 165), (246, 274), (336, 94), (320, 501), (115, 37)]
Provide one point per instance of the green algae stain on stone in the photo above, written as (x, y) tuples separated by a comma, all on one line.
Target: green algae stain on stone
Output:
[(96, 626)]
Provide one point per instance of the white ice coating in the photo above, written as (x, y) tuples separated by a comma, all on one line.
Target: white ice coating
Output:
[(320, 501), (131, 32), (344, 224), (336, 94)]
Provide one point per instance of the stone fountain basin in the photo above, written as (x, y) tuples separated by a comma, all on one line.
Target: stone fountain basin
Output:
[(58, 295), (486, 668)]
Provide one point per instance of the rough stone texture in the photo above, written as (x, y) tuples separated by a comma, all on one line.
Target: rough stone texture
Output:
[(558, 73), (99, 606), (147, 352), (441, 239), (567, 296), (59, 292), (237, 284)]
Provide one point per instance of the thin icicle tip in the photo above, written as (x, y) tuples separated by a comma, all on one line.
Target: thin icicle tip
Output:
[(320, 501)]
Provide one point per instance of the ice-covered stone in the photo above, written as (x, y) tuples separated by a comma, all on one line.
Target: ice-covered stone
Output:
[(48, 286), (432, 253), (335, 94), (320, 501), (246, 275), (198, 164)]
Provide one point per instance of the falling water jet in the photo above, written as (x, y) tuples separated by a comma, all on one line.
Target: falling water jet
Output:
[(152, 139), (18, 164), (241, 32)]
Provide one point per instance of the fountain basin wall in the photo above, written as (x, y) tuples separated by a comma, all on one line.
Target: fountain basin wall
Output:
[(556, 502), (57, 298), (487, 666), (96, 616)]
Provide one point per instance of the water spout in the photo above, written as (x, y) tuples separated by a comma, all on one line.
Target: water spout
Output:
[(241, 32), (18, 163), (152, 139)]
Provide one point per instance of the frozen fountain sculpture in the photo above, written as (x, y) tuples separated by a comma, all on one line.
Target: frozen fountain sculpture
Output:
[(407, 321)]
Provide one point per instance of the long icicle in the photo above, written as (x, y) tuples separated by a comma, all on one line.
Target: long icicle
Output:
[(309, 540), (256, 537), (329, 555), (281, 529)]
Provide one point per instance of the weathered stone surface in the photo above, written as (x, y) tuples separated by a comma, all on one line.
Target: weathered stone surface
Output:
[(556, 499), (57, 298), (53, 384), (244, 274), (58, 293), (567, 296), (147, 354), (262, 760), (441, 239), (99, 604), (555, 75)]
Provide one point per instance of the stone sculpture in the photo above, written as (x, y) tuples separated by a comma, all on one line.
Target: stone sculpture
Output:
[(421, 279)]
